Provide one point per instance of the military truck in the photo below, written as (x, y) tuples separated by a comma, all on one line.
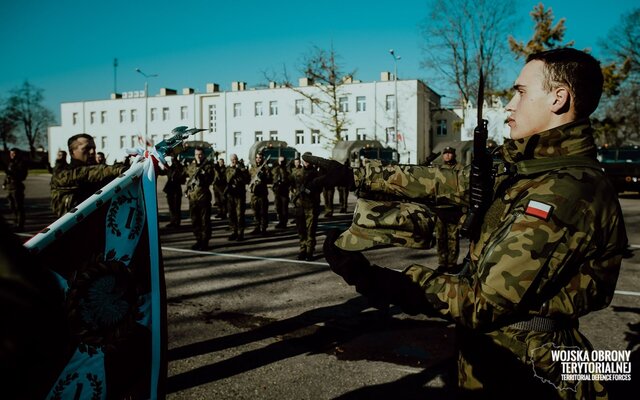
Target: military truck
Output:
[(356, 150), (272, 149), (622, 166)]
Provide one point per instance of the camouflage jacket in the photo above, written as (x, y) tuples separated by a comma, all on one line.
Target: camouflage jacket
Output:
[(237, 180), (550, 244), (16, 173), (200, 179), (281, 180), (260, 178), (304, 194), (73, 183)]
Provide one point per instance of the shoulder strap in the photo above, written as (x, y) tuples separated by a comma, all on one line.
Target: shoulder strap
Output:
[(537, 166)]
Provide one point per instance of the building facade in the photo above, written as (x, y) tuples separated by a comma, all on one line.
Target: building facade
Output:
[(235, 119)]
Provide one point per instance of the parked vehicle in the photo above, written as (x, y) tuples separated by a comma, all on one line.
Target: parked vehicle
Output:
[(357, 150), (622, 166)]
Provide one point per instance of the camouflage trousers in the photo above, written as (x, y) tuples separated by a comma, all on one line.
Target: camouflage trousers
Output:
[(307, 224), (236, 207), (448, 241), (260, 207), (174, 200), (282, 208), (514, 363), (220, 201), (16, 202), (327, 197), (200, 212)]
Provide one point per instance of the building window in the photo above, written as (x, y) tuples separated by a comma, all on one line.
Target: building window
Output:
[(103, 142), (212, 118), (391, 134), (153, 114), (237, 138), (300, 108), (123, 140), (315, 136), (154, 139), (103, 117), (133, 115), (390, 102), (344, 134), (237, 111), (122, 116), (273, 108), (273, 135), (361, 103), (74, 118), (184, 114), (299, 137), (343, 104), (92, 117), (259, 136), (258, 108), (165, 113), (441, 127), (134, 141), (361, 134)]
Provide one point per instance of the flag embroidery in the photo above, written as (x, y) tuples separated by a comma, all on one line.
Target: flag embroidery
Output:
[(538, 209)]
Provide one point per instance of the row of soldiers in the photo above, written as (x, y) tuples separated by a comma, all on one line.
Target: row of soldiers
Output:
[(290, 184)]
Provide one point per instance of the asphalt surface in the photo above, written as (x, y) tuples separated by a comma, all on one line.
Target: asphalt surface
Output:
[(249, 321)]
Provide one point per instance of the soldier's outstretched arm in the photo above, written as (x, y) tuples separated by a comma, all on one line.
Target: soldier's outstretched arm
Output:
[(404, 181), (87, 174)]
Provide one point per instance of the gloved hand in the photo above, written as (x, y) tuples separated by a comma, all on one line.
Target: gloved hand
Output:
[(336, 174), (382, 286)]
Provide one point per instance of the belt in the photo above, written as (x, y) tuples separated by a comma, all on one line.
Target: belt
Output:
[(544, 324)]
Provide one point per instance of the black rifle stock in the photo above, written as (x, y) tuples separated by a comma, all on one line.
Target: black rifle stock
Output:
[(481, 179)]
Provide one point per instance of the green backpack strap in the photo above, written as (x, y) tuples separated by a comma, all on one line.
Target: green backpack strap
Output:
[(538, 166)]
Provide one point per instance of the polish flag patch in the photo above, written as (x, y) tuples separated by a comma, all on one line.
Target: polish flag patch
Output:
[(538, 209)]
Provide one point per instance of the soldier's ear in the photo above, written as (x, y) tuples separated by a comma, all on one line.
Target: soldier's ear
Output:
[(561, 100)]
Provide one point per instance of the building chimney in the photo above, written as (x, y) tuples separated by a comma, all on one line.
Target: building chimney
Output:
[(385, 76), (302, 82), (167, 92), (116, 96), (213, 88), (238, 86), (273, 85), (188, 90), (347, 79)]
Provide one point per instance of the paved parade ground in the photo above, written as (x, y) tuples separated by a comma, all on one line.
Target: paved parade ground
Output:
[(246, 320)]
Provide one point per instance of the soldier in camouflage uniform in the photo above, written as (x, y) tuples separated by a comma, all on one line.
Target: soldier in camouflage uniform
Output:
[(448, 221), (219, 185), (260, 178), (548, 252), (73, 183), (176, 177), (201, 173), (236, 195), (16, 173), (281, 186), (306, 200)]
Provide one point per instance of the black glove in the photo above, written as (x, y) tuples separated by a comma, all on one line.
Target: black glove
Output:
[(382, 286), (336, 174)]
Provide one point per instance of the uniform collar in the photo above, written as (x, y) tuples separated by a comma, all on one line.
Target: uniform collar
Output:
[(574, 138)]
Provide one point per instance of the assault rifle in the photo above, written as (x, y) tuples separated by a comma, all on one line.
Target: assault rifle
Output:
[(193, 182), (255, 181), (481, 182)]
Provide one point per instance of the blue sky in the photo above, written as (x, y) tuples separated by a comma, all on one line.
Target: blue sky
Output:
[(67, 47)]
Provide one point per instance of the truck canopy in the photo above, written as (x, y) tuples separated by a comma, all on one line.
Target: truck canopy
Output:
[(272, 149)]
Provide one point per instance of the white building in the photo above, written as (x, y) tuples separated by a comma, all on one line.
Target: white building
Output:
[(234, 120), (494, 113)]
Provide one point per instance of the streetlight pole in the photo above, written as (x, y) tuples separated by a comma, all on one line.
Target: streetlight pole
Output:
[(146, 101), (395, 97)]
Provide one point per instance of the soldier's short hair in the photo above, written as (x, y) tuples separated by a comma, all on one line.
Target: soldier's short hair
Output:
[(199, 148), (578, 71), (71, 142)]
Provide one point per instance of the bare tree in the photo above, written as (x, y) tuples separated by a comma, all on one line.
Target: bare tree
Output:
[(460, 35), (623, 44), (7, 128), (327, 80), (24, 106)]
